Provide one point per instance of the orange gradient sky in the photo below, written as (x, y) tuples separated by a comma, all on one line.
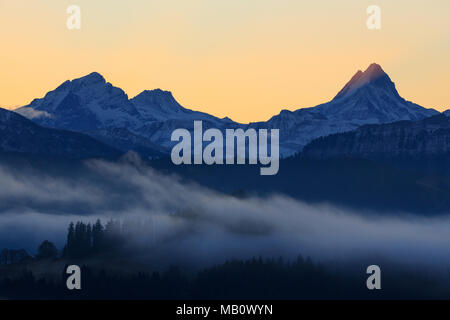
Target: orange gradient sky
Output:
[(246, 59)]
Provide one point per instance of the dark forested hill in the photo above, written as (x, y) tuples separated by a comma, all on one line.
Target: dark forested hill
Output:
[(20, 135), (409, 140)]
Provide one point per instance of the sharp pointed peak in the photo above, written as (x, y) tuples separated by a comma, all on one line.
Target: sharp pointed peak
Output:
[(374, 65), (373, 72)]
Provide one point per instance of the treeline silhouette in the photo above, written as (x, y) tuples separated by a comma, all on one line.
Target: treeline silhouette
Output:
[(256, 278), (84, 240), (237, 279)]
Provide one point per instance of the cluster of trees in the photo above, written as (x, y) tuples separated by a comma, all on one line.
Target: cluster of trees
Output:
[(85, 239), (47, 250)]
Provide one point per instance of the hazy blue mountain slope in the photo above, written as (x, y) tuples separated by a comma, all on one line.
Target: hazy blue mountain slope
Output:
[(407, 140), (20, 135)]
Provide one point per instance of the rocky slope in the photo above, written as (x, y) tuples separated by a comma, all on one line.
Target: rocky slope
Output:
[(420, 139)]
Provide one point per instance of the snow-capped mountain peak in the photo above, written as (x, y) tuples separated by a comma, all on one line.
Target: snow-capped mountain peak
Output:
[(91, 104), (157, 104), (373, 75), (370, 97), (86, 103)]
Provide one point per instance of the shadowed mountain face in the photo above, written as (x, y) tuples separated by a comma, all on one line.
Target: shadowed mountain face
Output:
[(125, 140), (20, 135), (90, 104), (422, 139)]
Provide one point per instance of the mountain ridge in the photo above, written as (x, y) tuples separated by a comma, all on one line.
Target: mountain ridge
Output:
[(408, 140), (22, 136), (91, 104)]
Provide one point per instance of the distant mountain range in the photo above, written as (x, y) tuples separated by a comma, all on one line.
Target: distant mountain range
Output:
[(94, 107), (330, 151), (91, 105)]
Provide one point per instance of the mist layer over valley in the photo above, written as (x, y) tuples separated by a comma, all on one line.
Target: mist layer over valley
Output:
[(186, 224)]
